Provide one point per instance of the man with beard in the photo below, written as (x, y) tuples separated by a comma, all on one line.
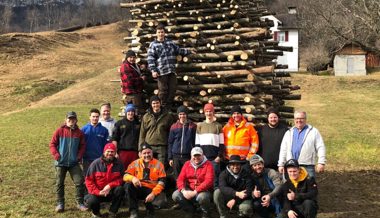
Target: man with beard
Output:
[(132, 80), (195, 184), (145, 180), (270, 137), (104, 181), (267, 187), (126, 136), (235, 187), (299, 192)]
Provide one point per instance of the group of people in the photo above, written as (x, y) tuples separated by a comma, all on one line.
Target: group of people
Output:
[(233, 165), (267, 171)]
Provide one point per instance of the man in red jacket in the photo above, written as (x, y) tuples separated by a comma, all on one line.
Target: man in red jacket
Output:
[(104, 181), (195, 183)]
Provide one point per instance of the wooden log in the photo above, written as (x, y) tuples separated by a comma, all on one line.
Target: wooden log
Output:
[(247, 86)]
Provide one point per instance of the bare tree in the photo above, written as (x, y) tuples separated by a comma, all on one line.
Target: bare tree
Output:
[(5, 19)]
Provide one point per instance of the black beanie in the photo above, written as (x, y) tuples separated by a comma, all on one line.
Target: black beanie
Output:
[(130, 53), (182, 109), (236, 108)]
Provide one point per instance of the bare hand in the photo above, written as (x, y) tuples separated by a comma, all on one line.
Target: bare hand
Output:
[(265, 201), (281, 169), (242, 194), (171, 163), (192, 51), (189, 194), (292, 214), (155, 74), (106, 190), (117, 155), (256, 193), (320, 168), (291, 195), (231, 203), (136, 182), (217, 159), (149, 198), (143, 78)]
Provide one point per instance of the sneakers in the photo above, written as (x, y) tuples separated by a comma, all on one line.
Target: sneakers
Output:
[(81, 207), (176, 207), (59, 208), (134, 214)]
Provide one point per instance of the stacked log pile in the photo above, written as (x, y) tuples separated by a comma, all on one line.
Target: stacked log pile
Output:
[(233, 64)]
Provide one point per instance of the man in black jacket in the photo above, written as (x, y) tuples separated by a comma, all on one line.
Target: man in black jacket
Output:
[(126, 136), (299, 192), (235, 187)]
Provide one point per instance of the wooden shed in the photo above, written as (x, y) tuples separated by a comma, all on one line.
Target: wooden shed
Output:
[(352, 60)]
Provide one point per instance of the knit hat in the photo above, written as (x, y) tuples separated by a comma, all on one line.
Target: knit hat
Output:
[(292, 163), (208, 106), (71, 114), (129, 107), (236, 159), (196, 150), (154, 98), (273, 110), (255, 159), (130, 53), (182, 109), (145, 146), (109, 146), (236, 108)]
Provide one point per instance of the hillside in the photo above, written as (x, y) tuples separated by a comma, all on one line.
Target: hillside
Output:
[(43, 75)]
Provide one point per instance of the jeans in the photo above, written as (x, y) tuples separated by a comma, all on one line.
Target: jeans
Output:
[(140, 193), (115, 196), (216, 167), (76, 176), (245, 207), (310, 170), (203, 199), (308, 209)]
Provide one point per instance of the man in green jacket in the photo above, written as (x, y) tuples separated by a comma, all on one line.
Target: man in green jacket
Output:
[(155, 127)]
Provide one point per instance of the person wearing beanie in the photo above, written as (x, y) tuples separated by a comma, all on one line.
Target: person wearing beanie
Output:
[(96, 136), (181, 140), (304, 143), (240, 137), (132, 78), (162, 59), (104, 181), (126, 135), (267, 188), (270, 137), (145, 180), (67, 147), (299, 192), (155, 126), (209, 137)]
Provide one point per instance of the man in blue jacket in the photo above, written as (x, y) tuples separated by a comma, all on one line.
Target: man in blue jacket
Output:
[(67, 147), (96, 137)]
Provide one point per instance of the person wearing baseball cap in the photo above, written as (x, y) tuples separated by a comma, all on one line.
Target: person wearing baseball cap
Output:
[(181, 140), (67, 147), (299, 192), (195, 184), (132, 77), (145, 180), (126, 136), (209, 137), (104, 182), (267, 188), (235, 188)]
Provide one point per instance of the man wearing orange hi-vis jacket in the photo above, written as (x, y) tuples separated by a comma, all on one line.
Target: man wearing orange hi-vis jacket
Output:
[(240, 137)]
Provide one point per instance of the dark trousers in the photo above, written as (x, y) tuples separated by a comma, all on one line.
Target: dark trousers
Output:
[(178, 162), (308, 209), (76, 176), (167, 86), (115, 197), (135, 194), (266, 212)]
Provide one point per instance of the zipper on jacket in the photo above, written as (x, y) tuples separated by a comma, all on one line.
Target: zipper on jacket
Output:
[(183, 130), (70, 144)]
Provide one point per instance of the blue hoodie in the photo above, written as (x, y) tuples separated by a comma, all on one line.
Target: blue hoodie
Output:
[(96, 138)]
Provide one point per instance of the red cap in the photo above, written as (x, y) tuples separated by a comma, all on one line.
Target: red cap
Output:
[(209, 107), (109, 146)]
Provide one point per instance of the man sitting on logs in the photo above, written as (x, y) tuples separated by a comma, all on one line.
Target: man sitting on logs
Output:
[(162, 59), (210, 138), (240, 137)]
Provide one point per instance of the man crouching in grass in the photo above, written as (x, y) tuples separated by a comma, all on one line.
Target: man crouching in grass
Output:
[(67, 147)]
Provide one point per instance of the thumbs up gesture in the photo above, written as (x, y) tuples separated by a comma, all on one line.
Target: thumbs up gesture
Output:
[(291, 195), (256, 193)]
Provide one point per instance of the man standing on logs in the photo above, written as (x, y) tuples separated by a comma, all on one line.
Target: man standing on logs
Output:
[(240, 137), (270, 137), (162, 59), (303, 143)]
